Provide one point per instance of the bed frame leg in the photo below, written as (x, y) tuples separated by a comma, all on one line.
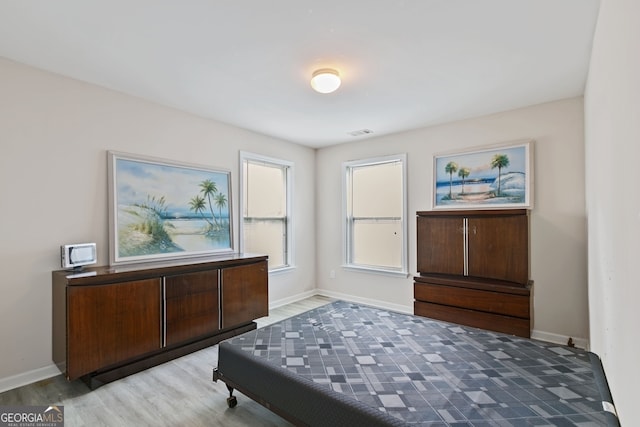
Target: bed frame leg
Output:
[(231, 400)]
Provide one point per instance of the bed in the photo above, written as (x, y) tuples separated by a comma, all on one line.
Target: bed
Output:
[(346, 364)]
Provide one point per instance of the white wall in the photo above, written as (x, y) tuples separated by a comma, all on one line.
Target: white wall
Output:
[(55, 133), (558, 226), (612, 118)]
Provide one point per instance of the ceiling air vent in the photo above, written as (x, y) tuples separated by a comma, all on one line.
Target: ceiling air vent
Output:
[(361, 132)]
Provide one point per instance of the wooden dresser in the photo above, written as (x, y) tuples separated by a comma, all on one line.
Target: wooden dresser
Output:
[(474, 269), (109, 322)]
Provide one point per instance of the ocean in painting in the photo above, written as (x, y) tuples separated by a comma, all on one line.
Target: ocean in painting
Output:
[(189, 233)]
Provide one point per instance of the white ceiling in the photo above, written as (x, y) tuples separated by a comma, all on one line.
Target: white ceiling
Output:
[(405, 64)]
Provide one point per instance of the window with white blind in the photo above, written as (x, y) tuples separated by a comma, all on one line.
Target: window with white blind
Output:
[(375, 214), (265, 205)]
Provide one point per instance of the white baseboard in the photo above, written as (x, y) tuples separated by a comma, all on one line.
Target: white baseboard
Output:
[(292, 299), (29, 377), (366, 301), (582, 343)]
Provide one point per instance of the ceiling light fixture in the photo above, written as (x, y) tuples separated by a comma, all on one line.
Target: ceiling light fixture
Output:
[(325, 80)]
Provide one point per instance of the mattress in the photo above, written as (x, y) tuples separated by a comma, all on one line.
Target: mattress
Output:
[(350, 364)]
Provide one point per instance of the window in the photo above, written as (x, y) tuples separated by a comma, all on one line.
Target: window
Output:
[(266, 216), (375, 213)]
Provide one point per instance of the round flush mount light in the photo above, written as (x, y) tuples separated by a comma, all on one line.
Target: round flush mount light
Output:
[(325, 80)]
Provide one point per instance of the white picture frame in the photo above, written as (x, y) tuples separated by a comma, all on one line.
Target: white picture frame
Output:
[(161, 209), (490, 177)]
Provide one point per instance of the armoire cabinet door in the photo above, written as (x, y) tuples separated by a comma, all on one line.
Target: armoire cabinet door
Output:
[(244, 294), (440, 245), (191, 306), (111, 323), (498, 248)]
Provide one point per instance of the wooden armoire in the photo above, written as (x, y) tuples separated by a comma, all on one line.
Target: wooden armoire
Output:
[(473, 269)]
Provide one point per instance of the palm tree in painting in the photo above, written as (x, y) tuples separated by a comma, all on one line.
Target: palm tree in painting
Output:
[(463, 173), (499, 161), (451, 168), (209, 189), (199, 205), (220, 202)]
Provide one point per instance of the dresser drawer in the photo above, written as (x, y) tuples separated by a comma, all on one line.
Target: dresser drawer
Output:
[(474, 299), (476, 319)]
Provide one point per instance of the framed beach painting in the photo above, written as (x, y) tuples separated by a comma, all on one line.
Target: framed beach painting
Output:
[(492, 177), (160, 209)]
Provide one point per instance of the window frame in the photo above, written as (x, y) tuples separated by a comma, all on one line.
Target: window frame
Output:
[(347, 219), (288, 166)]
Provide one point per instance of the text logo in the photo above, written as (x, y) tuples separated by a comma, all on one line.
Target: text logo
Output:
[(31, 416)]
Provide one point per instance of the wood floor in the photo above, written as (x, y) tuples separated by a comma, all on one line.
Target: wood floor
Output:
[(177, 393)]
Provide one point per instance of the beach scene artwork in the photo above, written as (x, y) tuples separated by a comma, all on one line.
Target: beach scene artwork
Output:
[(496, 177), (167, 210)]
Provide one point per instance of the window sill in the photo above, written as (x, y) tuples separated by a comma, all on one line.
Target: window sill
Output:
[(282, 270), (360, 269)]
